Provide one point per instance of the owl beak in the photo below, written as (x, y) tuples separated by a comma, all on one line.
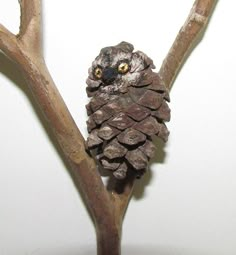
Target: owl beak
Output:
[(109, 75)]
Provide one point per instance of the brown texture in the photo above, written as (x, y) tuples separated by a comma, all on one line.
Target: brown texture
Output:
[(137, 159), (131, 136), (114, 150), (137, 112), (26, 51)]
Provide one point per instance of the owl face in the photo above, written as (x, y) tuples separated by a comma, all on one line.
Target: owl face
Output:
[(116, 68)]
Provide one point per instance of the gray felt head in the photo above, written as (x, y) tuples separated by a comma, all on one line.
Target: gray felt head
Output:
[(117, 67)]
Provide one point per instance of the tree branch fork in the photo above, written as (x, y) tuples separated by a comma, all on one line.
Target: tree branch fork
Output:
[(25, 49)]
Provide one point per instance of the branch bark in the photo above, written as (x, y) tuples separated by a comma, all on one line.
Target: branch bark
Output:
[(8, 42), (25, 49), (186, 40)]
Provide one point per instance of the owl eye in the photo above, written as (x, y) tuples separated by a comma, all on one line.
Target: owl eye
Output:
[(123, 67), (98, 72)]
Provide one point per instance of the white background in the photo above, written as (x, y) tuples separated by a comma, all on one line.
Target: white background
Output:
[(186, 204)]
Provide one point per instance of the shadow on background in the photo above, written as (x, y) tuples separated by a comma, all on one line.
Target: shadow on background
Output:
[(159, 158), (11, 71)]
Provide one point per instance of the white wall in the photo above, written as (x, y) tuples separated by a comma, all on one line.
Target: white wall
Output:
[(188, 203)]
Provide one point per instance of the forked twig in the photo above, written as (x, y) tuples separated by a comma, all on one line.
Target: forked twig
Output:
[(107, 208)]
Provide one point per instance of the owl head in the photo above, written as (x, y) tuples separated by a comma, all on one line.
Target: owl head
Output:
[(116, 68)]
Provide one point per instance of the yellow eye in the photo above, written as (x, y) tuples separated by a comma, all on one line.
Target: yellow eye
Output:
[(123, 68), (98, 72)]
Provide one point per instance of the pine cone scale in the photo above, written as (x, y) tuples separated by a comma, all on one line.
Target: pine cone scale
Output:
[(148, 149), (107, 132), (100, 116), (137, 159), (93, 139), (121, 121), (151, 100), (114, 150), (137, 112), (131, 137), (148, 126)]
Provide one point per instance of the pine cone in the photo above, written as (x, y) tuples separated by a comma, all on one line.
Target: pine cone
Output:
[(128, 107)]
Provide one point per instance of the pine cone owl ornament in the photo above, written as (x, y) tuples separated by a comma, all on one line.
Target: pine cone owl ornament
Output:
[(128, 107)]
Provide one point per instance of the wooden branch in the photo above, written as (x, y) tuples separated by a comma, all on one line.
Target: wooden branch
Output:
[(25, 50), (185, 40)]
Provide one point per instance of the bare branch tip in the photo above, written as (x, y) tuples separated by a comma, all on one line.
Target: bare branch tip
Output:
[(30, 25)]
